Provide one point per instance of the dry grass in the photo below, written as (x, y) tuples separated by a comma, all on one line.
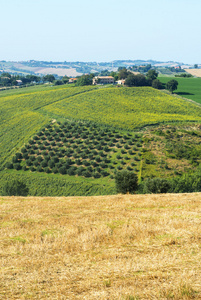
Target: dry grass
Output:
[(58, 71), (194, 72), (107, 247)]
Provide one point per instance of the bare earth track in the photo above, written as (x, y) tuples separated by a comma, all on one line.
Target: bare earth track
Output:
[(105, 247)]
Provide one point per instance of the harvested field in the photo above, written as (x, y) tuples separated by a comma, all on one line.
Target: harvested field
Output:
[(106, 247), (58, 71), (194, 72)]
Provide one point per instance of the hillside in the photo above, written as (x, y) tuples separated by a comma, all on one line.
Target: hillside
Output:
[(111, 247), (54, 138), (74, 68)]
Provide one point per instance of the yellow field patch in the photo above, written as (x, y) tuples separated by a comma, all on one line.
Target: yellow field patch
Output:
[(194, 72)]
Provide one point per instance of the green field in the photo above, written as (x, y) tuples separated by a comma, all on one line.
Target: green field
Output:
[(188, 87), (28, 112)]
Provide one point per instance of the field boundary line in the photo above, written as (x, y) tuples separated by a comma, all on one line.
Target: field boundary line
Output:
[(58, 100)]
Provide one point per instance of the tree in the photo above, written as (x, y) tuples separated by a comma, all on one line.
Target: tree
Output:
[(84, 80), (123, 73), (171, 85), (65, 79), (152, 75), (196, 66), (49, 78), (126, 182), (58, 82), (15, 188), (157, 84), (136, 80)]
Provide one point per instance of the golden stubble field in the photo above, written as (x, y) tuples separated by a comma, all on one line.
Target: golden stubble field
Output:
[(105, 247), (194, 72)]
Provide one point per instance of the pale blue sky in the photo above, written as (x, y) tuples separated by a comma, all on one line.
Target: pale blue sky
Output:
[(103, 30)]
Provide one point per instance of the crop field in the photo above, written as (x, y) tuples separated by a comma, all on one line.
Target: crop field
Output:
[(189, 88), (127, 108), (106, 247)]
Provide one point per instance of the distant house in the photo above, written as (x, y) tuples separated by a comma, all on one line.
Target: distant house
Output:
[(103, 80), (72, 80), (121, 82), (19, 82)]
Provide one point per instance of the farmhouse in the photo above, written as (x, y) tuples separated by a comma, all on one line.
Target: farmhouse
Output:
[(19, 82), (103, 80), (72, 80), (121, 82)]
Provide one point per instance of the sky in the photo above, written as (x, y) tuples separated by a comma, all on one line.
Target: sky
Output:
[(100, 30)]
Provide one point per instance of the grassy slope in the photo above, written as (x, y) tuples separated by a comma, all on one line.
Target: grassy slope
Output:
[(188, 87), (109, 247)]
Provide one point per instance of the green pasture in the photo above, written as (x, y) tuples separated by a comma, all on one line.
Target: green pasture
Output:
[(188, 87)]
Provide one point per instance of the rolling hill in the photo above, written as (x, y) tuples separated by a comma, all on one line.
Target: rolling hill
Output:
[(48, 123)]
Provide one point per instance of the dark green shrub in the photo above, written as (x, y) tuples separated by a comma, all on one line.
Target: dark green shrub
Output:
[(71, 171), (62, 170), (104, 173), (15, 188), (44, 163), (33, 169), (119, 168), (96, 175), (156, 186), (9, 165), (126, 182), (55, 159), (86, 174), (24, 150), (51, 164), (39, 169), (29, 162), (55, 170), (14, 159), (39, 158), (47, 170), (17, 166), (25, 168)]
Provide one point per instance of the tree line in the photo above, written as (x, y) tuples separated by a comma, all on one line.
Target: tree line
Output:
[(131, 79)]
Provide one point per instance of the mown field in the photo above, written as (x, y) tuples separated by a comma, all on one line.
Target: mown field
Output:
[(106, 247), (188, 87), (194, 72), (86, 132)]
